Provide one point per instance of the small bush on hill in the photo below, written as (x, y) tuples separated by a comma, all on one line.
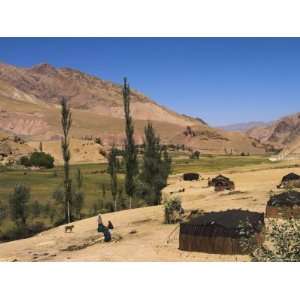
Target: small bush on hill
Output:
[(42, 159), (38, 159), (173, 209)]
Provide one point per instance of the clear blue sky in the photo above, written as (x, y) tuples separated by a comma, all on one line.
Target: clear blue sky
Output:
[(222, 80)]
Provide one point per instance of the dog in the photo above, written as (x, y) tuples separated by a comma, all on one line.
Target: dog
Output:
[(69, 228)]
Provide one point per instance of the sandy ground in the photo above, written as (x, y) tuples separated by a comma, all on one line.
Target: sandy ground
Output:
[(140, 234)]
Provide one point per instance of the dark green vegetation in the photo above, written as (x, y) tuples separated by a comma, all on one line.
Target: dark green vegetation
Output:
[(282, 242), (38, 159), (130, 153), (112, 169), (155, 168), (46, 190), (66, 123)]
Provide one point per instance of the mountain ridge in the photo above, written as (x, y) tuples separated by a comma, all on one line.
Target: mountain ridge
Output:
[(29, 107)]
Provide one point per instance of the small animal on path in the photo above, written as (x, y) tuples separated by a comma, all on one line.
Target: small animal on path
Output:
[(69, 228)]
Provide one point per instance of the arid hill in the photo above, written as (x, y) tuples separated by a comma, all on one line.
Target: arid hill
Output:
[(29, 107), (283, 135)]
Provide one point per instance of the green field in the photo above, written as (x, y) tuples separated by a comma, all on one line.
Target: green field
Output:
[(217, 163), (44, 182)]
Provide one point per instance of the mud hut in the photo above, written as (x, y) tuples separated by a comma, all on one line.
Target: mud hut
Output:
[(220, 232), (221, 183), (285, 205), (289, 180)]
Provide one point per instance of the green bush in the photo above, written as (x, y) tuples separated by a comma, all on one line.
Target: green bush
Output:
[(25, 161), (282, 243), (42, 159), (38, 159), (173, 209)]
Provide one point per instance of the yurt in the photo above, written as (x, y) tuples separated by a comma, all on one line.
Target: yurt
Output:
[(285, 205), (289, 180), (221, 232), (221, 183)]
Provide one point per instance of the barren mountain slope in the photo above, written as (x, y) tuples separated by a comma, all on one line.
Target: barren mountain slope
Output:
[(85, 92), (282, 134), (29, 99)]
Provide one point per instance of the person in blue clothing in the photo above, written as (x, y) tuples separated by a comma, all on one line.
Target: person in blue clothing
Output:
[(103, 229)]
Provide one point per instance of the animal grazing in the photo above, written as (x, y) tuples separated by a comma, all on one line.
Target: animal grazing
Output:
[(69, 228)]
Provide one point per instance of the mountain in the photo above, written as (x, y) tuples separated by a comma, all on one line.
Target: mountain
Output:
[(242, 127), (282, 135), (29, 107)]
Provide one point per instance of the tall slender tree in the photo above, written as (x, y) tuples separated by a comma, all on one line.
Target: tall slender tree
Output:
[(130, 153), (155, 169), (112, 170), (66, 122), (77, 194), (18, 204)]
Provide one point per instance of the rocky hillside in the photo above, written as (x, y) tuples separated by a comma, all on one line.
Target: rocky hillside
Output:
[(283, 134), (29, 99)]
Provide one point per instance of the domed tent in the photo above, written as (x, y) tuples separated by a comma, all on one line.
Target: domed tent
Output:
[(221, 183), (285, 205), (220, 232), (289, 180)]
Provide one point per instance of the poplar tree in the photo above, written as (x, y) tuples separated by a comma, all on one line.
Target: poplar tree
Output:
[(66, 122), (156, 168), (130, 153), (112, 170), (78, 195), (18, 204)]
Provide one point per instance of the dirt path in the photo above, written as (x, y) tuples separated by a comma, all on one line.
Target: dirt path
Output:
[(140, 234)]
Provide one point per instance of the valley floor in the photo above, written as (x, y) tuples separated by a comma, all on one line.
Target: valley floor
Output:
[(140, 234)]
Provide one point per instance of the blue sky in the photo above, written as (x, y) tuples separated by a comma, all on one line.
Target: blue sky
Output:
[(222, 80)]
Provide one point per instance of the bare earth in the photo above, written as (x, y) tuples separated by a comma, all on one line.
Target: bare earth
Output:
[(140, 234)]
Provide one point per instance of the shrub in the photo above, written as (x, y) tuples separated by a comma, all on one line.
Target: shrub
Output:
[(42, 159), (195, 155), (173, 209), (282, 243), (24, 160), (38, 159)]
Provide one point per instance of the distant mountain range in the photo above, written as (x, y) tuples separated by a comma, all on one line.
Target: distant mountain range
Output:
[(243, 127)]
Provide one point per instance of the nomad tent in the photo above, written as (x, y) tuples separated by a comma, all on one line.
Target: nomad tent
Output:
[(221, 183), (221, 232), (285, 205), (190, 176), (289, 180)]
